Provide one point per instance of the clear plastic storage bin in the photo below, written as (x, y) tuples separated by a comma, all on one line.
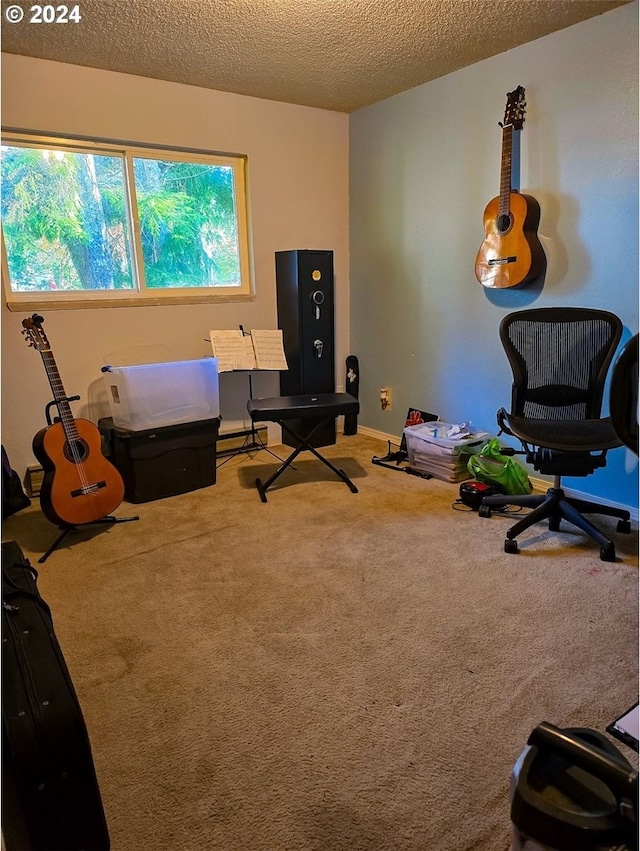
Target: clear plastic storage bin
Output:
[(431, 449), (161, 394)]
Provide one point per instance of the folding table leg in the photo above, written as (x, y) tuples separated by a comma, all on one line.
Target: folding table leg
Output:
[(307, 446), (304, 446), (264, 487)]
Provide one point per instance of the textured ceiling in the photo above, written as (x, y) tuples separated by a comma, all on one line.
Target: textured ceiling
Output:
[(332, 54)]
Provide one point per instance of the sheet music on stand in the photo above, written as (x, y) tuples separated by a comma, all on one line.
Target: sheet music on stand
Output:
[(237, 350), (233, 350), (269, 350), (248, 352)]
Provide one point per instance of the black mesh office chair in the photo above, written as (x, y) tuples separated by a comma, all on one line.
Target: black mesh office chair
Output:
[(559, 357)]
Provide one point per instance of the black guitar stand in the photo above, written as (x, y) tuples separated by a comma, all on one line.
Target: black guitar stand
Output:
[(392, 461), (108, 520), (47, 410)]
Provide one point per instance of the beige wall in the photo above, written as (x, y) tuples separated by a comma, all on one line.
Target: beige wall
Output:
[(298, 184)]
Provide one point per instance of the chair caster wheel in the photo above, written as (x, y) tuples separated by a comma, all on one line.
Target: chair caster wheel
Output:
[(510, 545), (484, 511), (624, 526), (554, 525), (608, 553)]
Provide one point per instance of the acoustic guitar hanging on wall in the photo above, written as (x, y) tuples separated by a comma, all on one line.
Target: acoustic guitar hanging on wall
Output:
[(80, 485), (511, 254)]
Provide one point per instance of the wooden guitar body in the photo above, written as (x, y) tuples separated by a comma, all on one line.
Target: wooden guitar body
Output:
[(511, 253), (80, 485)]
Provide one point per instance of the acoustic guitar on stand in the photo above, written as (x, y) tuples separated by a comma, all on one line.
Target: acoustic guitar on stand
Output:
[(80, 485), (511, 253)]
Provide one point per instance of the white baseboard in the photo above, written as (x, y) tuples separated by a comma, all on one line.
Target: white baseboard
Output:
[(380, 435), (540, 485)]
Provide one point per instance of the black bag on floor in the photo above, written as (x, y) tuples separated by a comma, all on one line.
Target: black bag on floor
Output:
[(50, 795), (13, 497)]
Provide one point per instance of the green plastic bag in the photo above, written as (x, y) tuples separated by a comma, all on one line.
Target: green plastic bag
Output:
[(492, 468)]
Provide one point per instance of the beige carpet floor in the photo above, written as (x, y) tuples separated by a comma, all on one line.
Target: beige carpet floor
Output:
[(329, 670)]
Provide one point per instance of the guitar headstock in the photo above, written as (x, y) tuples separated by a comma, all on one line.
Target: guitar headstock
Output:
[(32, 329), (515, 109)]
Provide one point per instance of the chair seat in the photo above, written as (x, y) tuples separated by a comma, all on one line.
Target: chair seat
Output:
[(565, 435)]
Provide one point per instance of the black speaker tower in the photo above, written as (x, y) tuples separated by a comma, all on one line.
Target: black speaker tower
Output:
[(304, 288)]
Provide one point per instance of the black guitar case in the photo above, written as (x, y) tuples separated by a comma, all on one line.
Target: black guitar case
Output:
[(13, 497), (50, 795), (352, 386)]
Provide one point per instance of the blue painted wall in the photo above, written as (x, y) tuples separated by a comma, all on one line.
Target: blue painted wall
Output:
[(424, 164)]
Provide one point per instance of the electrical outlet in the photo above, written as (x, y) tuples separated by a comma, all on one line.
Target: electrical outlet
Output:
[(385, 398)]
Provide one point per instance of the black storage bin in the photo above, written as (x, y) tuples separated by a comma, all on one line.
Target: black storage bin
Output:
[(161, 462)]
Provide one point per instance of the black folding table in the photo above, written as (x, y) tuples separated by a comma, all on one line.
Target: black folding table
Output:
[(321, 407)]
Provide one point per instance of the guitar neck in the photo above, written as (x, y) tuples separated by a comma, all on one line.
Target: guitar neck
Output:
[(66, 417), (505, 169)]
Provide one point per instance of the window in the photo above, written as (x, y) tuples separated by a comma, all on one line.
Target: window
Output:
[(92, 223)]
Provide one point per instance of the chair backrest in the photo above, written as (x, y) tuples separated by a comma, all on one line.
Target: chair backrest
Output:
[(559, 357), (623, 399)]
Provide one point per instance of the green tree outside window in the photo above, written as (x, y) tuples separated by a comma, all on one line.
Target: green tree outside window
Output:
[(71, 224)]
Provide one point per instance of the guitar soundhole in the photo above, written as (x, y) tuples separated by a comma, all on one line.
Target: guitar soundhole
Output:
[(76, 451), (503, 223)]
